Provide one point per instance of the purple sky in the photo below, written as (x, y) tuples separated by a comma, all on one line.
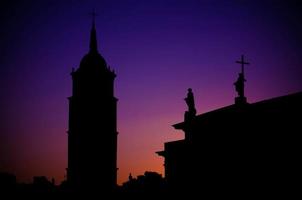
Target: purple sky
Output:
[(158, 49)]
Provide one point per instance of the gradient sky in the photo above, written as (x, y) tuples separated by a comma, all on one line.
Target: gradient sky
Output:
[(158, 49)]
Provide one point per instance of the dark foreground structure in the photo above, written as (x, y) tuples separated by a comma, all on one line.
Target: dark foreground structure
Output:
[(243, 148), (92, 134)]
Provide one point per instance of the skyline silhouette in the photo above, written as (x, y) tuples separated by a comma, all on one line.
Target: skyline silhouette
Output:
[(159, 49)]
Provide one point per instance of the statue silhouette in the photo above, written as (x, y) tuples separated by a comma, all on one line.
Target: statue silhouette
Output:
[(191, 105), (239, 85)]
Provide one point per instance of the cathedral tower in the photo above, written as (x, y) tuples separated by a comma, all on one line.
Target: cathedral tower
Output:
[(92, 134)]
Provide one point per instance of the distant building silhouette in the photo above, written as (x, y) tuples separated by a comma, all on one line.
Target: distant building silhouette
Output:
[(242, 148), (92, 134), (42, 184), (149, 183), (8, 182)]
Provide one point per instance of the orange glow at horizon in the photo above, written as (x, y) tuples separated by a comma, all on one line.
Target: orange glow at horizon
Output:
[(158, 50)]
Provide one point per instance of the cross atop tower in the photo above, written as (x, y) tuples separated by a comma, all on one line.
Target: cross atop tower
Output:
[(242, 62)]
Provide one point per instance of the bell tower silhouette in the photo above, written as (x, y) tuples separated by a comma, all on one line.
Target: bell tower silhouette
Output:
[(92, 134)]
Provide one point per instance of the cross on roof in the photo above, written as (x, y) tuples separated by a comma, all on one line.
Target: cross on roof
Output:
[(242, 62)]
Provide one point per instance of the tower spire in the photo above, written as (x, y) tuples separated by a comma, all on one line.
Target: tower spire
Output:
[(93, 41)]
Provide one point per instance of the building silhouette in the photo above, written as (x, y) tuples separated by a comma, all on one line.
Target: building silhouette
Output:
[(92, 134), (151, 183), (244, 148)]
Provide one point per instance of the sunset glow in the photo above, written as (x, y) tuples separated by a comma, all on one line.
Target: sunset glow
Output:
[(158, 50)]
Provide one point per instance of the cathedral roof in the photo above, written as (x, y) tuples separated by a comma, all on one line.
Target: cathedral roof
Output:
[(285, 103)]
